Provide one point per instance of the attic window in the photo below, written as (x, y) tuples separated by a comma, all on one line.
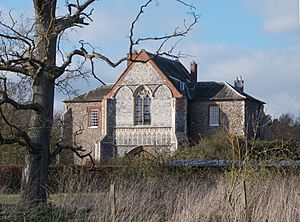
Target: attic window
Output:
[(182, 86), (214, 115)]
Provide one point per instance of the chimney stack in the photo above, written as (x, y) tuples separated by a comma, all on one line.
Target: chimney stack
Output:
[(134, 55), (239, 84), (193, 71)]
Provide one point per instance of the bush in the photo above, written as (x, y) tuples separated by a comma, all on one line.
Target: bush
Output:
[(221, 145), (10, 178), (217, 147), (61, 178)]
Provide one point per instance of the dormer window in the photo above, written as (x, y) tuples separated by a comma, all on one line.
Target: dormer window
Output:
[(182, 86), (142, 106)]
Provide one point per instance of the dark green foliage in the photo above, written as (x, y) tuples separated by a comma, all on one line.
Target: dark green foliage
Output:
[(275, 150), (286, 128)]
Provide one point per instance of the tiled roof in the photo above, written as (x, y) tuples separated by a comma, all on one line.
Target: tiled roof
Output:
[(217, 91), (93, 95), (172, 69)]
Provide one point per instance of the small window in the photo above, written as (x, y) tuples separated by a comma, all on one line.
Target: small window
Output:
[(93, 118), (182, 86), (214, 116)]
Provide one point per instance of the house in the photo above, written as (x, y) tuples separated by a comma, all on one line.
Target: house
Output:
[(158, 104)]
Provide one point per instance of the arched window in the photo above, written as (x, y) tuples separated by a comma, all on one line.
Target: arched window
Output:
[(142, 108)]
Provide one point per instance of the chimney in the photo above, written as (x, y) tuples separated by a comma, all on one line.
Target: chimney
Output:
[(194, 71), (134, 55), (239, 84)]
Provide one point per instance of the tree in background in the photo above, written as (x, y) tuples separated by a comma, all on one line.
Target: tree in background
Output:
[(286, 128), (30, 50)]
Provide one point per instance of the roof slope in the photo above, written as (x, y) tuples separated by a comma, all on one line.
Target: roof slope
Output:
[(173, 69), (94, 95), (217, 91)]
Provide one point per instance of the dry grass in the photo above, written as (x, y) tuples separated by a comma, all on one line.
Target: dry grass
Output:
[(173, 198), (170, 199)]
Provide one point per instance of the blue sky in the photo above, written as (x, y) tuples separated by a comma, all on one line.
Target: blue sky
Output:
[(257, 39)]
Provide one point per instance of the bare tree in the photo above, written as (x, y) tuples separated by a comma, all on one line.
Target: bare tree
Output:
[(30, 51)]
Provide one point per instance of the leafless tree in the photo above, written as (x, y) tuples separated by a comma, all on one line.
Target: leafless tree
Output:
[(30, 51)]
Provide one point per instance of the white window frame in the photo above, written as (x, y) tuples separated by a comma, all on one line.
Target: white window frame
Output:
[(93, 122), (214, 115)]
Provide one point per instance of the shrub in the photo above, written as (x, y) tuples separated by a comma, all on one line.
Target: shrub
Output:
[(10, 178), (221, 146)]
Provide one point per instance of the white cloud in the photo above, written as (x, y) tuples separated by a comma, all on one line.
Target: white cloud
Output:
[(270, 75), (278, 15)]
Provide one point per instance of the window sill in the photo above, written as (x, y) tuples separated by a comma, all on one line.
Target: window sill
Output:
[(214, 125), (93, 127)]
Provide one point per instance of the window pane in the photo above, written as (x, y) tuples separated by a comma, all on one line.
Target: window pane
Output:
[(147, 116), (94, 118), (214, 116), (138, 111)]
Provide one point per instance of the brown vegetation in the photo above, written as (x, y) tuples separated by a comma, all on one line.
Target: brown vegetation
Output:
[(173, 196)]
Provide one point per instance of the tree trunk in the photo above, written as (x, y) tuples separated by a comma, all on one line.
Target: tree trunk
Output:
[(35, 173)]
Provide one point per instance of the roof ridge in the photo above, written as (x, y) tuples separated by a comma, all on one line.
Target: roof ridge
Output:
[(234, 89)]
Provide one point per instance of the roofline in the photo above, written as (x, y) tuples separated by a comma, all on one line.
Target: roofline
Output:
[(237, 92), (82, 101), (245, 98), (145, 58)]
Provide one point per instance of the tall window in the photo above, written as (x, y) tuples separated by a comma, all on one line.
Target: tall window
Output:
[(142, 108), (93, 118), (214, 115)]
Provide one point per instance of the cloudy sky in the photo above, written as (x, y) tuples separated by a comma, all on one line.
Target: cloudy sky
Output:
[(256, 39)]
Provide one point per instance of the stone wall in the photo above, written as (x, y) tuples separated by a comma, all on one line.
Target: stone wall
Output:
[(82, 134), (158, 134), (231, 118), (67, 156)]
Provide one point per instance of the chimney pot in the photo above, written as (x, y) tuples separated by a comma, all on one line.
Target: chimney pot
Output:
[(193, 70), (239, 84)]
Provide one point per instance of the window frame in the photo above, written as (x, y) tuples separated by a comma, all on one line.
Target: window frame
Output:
[(89, 120), (142, 108), (210, 107)]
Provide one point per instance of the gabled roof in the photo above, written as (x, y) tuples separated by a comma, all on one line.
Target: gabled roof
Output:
[(94, 95), (172, 71), (212, 90)]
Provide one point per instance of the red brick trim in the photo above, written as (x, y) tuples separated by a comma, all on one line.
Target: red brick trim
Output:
[(143, 56)]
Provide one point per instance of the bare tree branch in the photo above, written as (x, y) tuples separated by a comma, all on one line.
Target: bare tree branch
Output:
[(21, 137), (75, 18), (4, 99)]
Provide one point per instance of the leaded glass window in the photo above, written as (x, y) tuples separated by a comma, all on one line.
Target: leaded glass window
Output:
[(142, 108)]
